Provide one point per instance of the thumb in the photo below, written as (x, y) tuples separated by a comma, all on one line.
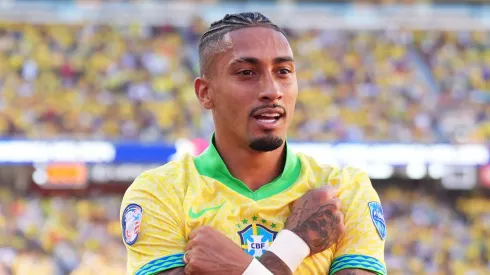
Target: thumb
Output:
[(330, 191)]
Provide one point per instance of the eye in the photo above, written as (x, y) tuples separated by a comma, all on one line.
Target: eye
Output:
[(246, 72), (284, 71)]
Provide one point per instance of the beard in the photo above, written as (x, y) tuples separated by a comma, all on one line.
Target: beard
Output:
[(266, 144)]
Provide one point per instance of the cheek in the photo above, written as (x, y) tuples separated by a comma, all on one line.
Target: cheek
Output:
[(290, 101), (233, 104)]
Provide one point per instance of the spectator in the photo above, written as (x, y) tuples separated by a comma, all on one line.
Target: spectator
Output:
[(106, 82)]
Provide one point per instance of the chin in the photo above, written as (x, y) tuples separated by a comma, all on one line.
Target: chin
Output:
[(266, 143)]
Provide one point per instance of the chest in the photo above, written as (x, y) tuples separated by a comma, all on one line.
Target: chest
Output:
[(252, 225)]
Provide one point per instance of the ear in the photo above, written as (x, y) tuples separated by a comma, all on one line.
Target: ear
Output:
[(202, 90)]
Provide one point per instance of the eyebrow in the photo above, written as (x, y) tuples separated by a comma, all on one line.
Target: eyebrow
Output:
[(283, 59), (255, 61)]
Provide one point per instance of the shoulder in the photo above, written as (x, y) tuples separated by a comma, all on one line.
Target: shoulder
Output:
[(315, 169), (341, 177), (352, 177), (164, 180)]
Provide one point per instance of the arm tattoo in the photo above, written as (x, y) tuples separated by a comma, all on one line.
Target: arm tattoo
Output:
[(274, 264), (319, 227), (175, 271), (299, 214)]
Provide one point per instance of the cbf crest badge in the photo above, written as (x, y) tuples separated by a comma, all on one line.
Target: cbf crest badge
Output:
[(256, 238), (131, 223), (378, 218)]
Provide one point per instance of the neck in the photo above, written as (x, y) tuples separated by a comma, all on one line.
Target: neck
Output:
[(253, 168)]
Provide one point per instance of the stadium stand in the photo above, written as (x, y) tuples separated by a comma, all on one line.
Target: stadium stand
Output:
[(107, 82), (448, 235), (120, 82), (95, 82), (57, 235), (60, 235)]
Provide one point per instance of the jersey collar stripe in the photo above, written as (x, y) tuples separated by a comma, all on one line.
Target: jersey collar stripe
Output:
[(210, 164)]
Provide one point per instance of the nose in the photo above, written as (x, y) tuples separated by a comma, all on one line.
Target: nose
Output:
[(271, 90)]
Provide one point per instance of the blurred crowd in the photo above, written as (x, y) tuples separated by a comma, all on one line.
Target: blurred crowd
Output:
[(98, 82), (377, 86), (59, 236), (427, 234), (136, 82)]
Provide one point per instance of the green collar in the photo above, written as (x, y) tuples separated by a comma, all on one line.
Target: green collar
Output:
[(210, 164)]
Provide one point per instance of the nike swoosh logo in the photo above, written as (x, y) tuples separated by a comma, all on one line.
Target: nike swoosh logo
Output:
[(195, 215)]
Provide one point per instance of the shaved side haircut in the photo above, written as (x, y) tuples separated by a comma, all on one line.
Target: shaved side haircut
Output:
[(211, 41)]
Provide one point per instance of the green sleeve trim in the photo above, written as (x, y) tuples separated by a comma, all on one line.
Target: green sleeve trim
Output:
[(357, 261), (161, 264)]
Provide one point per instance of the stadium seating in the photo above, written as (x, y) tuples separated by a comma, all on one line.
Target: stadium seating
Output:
[(107, 82), (65, 234), (432, 234), (60, 235), (136, 83)]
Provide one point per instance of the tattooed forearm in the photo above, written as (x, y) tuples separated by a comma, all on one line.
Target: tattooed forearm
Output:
[(317, 219), (319, 228), (297, 215), (274, 264)]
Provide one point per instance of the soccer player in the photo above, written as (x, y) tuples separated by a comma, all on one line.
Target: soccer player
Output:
[(248, 204)]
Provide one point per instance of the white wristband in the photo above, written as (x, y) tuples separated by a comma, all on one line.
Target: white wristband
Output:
[(256, 268), (290, 248)]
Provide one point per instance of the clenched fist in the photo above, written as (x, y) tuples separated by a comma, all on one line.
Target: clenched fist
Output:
[(316, 218), (202, 257)]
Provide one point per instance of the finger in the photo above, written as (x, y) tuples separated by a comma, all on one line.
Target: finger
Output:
[(190, 244), (195, 232), (328, 192), (340, 217), (335, 202), (188, 269), (331, 191), (341, 225), (185, 257)]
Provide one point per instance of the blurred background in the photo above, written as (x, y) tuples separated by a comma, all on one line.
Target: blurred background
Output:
[(92, 93)]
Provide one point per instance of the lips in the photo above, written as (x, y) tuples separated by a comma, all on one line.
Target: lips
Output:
[(268, 117)]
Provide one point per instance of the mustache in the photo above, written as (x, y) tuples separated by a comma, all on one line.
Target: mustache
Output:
[(270, 106)]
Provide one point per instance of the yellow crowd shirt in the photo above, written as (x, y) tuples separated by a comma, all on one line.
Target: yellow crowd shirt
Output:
[(164, 205)]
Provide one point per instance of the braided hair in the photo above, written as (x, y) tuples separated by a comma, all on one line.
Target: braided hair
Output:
[(209, 44)]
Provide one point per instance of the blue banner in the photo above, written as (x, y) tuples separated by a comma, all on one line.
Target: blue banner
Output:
[(29, 152)]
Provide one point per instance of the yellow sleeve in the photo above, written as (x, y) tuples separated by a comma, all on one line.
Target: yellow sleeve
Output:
[(152, 225), (362, 246)]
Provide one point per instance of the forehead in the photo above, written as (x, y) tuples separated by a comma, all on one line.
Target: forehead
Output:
[(262, 43)]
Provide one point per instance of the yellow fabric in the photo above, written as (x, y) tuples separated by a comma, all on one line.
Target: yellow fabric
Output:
[(166, 195)]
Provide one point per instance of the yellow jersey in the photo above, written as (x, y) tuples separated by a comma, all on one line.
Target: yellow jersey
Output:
[(163, 205)]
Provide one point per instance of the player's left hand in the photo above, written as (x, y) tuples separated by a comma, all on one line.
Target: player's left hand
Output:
[(210, 252)]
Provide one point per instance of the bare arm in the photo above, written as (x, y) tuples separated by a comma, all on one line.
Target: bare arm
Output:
[(354, 272), (318, 227), (274, 264), (315, 218), (268, 259)]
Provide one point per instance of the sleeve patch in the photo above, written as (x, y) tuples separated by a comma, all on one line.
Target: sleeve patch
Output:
[(378, 218), (131, 223), (350, 261)]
